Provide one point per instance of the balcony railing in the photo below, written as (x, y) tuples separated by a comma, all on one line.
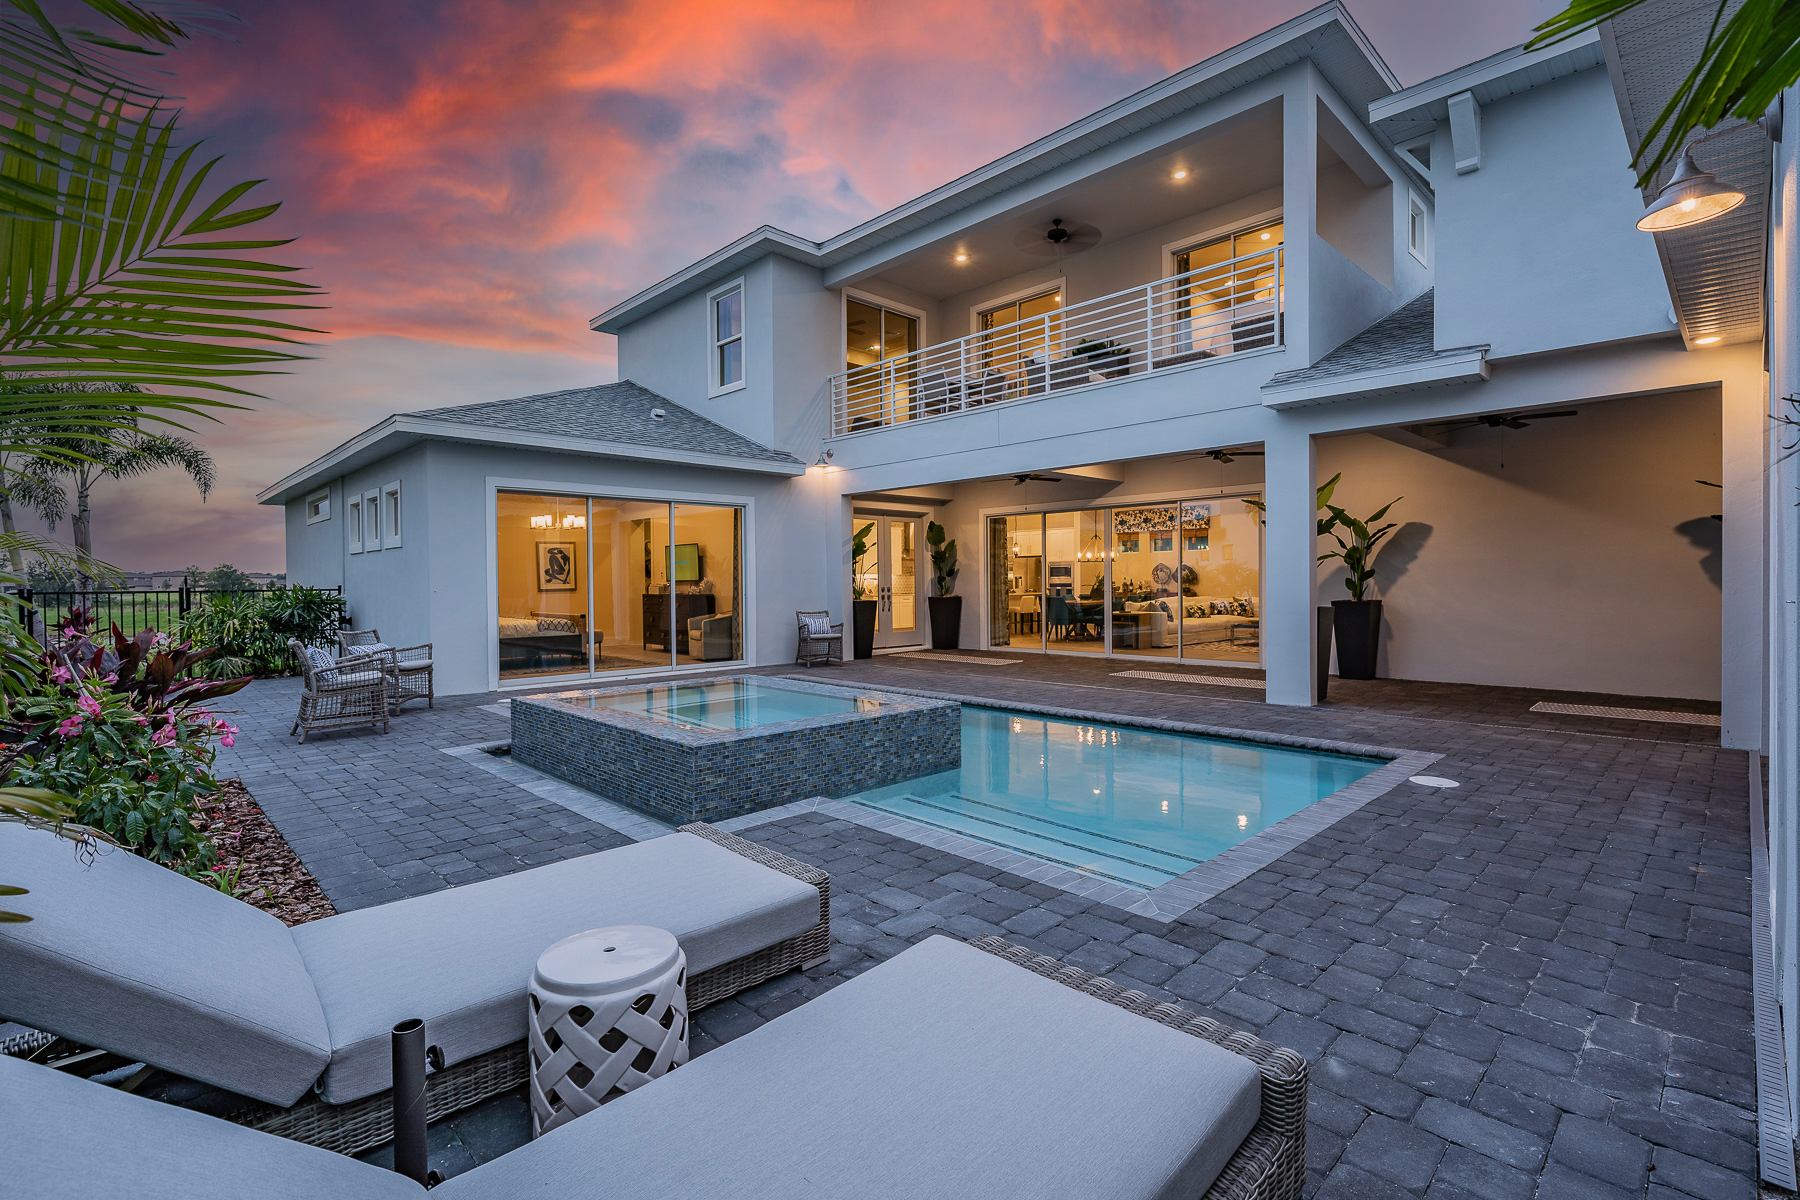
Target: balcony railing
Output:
[(1219, 309)]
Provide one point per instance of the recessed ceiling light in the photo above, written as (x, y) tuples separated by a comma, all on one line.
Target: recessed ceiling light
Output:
[(962, 258), (1708, 340), (1265, 237), (1181, 174)]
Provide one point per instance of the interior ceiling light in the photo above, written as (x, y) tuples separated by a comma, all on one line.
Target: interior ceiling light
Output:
[(1708, 340), (962, 258), (1181, 174), (1265, 237), (1691, 197)]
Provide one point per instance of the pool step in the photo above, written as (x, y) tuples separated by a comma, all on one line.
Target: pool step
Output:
[(1080, 849)]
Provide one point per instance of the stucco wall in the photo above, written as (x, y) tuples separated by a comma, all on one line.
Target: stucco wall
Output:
[(386, 589), (315, 553), (1539, 249), (1588, 562)]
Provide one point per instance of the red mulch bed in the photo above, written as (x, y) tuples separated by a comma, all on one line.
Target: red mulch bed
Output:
[(273, 879)]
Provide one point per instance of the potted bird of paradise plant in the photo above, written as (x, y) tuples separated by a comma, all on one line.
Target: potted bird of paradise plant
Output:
[(1357, 621), (946, 605)]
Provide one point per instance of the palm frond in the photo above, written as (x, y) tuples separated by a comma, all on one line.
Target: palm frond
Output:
[(1748, 58)]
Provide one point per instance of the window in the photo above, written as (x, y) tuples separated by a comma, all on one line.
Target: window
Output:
[(371, 508), (318, 507), (875, 334), (1229, 295), (390, 515), (725, 321), (353, 524), (1019, 342), (1415, 226)]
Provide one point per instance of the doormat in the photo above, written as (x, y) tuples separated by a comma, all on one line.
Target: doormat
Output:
[(1215, 680), (986, 662), (1627, 714)]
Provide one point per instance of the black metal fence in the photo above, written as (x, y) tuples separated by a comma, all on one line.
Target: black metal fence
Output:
[(130, 610)]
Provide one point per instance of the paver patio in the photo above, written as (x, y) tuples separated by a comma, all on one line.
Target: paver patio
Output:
[(1534, 985)]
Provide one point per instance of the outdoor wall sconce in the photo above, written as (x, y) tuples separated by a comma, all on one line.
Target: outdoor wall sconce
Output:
[(1693, 195)]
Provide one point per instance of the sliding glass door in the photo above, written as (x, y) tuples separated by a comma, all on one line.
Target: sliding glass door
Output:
[(592, 585), (1180, 579)]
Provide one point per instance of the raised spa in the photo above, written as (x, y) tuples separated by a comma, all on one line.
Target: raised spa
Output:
[(719, 748)]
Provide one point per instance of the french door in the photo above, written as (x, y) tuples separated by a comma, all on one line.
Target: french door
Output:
[(894, 578)]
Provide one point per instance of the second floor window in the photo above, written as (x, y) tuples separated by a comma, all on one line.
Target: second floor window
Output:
[(727, 328), (1415, 227)]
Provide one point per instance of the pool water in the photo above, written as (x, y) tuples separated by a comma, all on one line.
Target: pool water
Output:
[(725, 704), (1133, 805)]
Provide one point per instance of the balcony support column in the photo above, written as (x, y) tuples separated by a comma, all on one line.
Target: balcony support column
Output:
[(1299, 204), (1290, 568)]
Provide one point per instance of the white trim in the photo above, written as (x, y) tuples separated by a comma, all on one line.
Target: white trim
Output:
[(324, 513), (1056, 283), (493, 485), (1406, 148), (1502, 74), (353, 526), (1468, 365), (1217, 232), (1416, 205), (845, 294), (390, 530), (371, 511), (713, 342)]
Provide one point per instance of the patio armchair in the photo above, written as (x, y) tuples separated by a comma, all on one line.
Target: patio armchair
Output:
[(410, 675), (341, 693), (951, 1069), (709, 639), (821, 641), (133, 958)]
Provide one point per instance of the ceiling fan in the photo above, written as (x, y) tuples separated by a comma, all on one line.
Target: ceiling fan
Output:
[(1223, 456), (1057, 241), (1021, 480), (1509, 420)]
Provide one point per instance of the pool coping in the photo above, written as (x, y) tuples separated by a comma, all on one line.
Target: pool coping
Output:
[(1186, 891)]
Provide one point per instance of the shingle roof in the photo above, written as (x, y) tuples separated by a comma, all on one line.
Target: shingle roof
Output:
[(610, 412), (1405, 335)]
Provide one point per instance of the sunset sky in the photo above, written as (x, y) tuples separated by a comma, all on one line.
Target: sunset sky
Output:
[(472, 180)]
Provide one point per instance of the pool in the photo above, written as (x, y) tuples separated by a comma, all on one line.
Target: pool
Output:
[(725, 703), (1136, 806)]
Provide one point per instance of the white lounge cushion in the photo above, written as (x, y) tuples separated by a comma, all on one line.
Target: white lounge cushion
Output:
[(942, 1072), (460, 958), (68, 1138), (127, 955)]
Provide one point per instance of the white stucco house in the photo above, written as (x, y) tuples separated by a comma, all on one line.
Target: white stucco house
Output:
[(1098, 359)]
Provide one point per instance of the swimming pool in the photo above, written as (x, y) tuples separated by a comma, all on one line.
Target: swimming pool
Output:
[(724, 703), (1137, 806)]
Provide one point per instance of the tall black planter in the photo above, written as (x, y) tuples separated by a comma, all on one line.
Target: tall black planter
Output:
[(946, 622), (1326, 617), (863, 634), (1358, 627)]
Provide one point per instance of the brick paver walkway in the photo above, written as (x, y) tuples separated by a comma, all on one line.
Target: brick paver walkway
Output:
[(1534, 985)]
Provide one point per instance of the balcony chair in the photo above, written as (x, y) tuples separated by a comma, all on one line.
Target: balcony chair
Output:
[(820, 640), (409, 674), (133, 958), (341, 693), (951, 1069)]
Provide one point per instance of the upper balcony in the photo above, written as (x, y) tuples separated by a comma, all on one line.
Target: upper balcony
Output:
[(1222, 303)]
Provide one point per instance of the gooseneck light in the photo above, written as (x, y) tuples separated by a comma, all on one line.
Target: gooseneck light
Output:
[(1691, 197)]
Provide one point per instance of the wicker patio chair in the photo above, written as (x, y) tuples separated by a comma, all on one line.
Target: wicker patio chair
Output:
[(816, 647), (338, 693), (409, 676)]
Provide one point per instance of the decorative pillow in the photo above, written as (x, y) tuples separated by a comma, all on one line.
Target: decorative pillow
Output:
[(819, 626), (1164, 605), (323, 664), (1196, 610), (556, 625), (1220, 608)]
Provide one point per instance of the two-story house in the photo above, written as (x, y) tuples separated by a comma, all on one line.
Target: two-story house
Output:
[(1116, 365)]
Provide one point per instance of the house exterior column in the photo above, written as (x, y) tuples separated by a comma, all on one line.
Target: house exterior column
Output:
[(1290, 549), (1299, 204), (1744, 405)]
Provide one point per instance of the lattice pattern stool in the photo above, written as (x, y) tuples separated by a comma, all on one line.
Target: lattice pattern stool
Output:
[(608, 1014)]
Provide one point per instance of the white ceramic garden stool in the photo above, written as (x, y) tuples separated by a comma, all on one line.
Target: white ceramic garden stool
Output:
[(608, 1013)]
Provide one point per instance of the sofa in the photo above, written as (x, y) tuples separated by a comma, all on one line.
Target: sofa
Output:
[(972, 1070), (130, 957), (1152, 624)]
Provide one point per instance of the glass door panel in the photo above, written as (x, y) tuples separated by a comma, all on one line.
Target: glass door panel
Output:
[(903, 576), (1014, 356), (1075, 603), (1016, 582), (1221, 582), (541, 545), (708, 583), (890, 577), (1146, 569), (632, 614)]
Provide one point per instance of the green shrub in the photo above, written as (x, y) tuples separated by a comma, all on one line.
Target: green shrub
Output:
[(251, 629)]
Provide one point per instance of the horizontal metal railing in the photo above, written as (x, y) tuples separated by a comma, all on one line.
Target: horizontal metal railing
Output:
[(1219, 309)]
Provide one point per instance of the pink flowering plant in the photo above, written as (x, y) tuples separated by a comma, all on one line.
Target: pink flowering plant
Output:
[(126, 732)]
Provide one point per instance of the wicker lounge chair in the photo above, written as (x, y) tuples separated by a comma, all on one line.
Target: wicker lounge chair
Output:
[(339, 693), (818, 648), (132, 958), (945, 1071), (409, 674)]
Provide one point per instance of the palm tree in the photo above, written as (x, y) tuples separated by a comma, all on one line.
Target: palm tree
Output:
[(117, 449), (30, 491), (1749, 58)]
